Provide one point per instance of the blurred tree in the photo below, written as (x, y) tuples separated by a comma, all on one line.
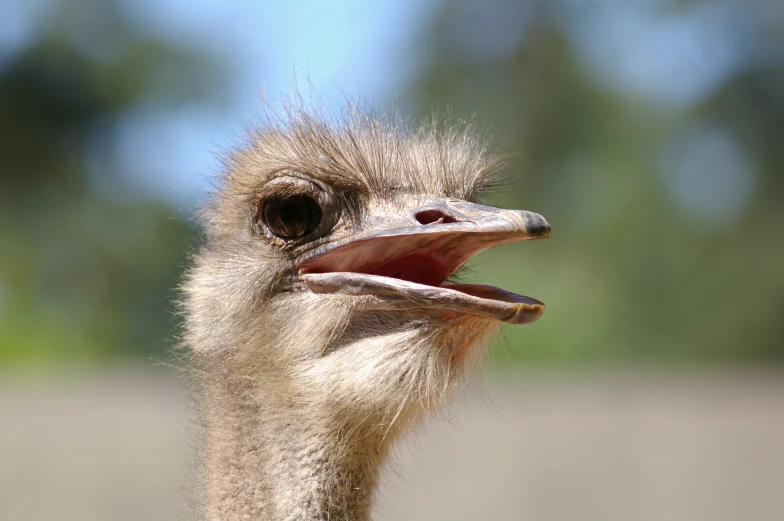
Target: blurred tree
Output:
[(667, 216), (666, 206), (86, 272)]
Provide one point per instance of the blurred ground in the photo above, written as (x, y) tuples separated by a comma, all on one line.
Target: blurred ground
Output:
[(557, 447)]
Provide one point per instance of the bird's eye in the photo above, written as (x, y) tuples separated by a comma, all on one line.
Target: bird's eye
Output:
[(291, 217)]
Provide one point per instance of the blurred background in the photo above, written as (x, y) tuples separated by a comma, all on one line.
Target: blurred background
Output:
[(650, 134)]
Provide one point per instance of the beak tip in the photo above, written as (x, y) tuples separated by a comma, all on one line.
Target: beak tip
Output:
[(536, 227)]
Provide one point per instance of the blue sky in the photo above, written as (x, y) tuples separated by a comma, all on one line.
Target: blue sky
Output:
[(351, 49), (347, 49)]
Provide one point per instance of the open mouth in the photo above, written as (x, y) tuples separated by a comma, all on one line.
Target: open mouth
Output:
[(409, 267)]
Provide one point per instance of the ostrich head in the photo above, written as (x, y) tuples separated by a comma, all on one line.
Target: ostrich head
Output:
[(322, 312)]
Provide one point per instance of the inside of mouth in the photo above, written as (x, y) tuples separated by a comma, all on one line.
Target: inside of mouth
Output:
[(424, 259), (406, 260), (427, 259), (416, 267), (429, 269)]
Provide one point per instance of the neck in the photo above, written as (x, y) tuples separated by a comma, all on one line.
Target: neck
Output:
[(264, 460)]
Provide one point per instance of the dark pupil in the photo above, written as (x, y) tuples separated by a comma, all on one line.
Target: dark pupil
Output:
[(291, 217)]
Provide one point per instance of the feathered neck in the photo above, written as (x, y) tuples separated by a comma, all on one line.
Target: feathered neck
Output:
[(298, 421), (269, 462)]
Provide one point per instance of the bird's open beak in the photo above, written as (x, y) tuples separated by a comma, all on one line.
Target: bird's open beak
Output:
[(405, 266)]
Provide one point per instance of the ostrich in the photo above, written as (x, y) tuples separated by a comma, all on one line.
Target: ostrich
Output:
[(321, 313)]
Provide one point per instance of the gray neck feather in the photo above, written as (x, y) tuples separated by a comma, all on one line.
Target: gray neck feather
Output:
[(268, 462)]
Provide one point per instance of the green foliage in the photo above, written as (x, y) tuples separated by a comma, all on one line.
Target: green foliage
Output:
[(85, 273), (632, 272)]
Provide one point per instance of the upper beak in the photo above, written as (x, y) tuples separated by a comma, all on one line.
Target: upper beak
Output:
[(452, 230)]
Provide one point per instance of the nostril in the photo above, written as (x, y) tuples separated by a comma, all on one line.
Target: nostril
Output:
[(433, 216)]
